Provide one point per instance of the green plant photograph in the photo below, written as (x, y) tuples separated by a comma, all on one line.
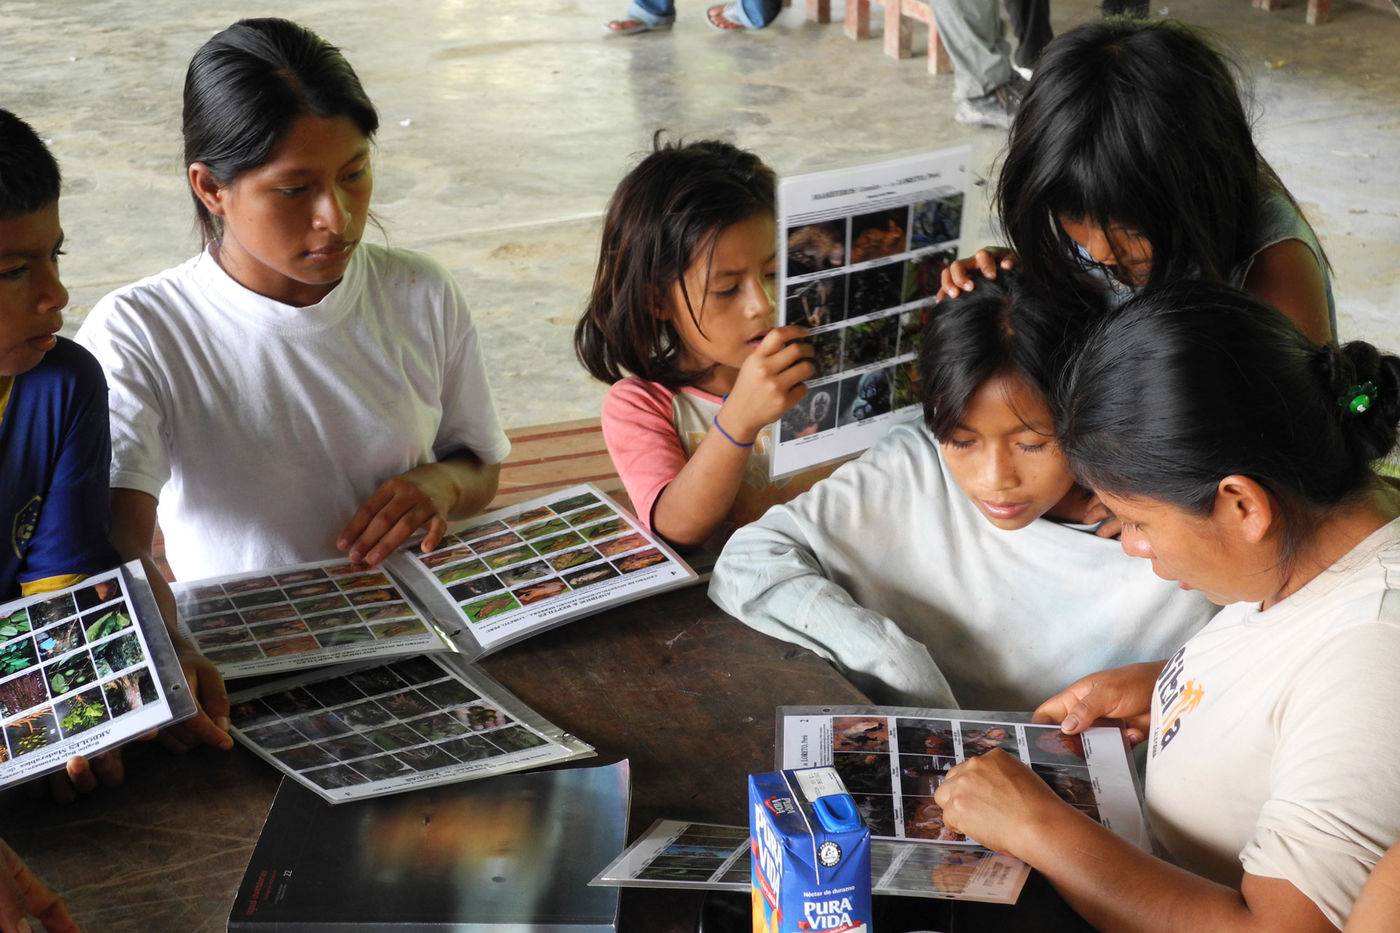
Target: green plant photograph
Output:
[(81, 712), (14, 623)]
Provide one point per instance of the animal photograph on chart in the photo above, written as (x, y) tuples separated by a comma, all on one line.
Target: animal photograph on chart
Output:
[(864, 396), (871, 342), (826, 352), (860, 734), (877, 235), (906, 384), (816, 247), (937, 221), (871, 291), (923, 274), (816, 412), (878, 812), (817, 303), (926, 736), (911, 329)]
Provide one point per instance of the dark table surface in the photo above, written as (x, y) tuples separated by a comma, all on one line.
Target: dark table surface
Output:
[(671, 683)]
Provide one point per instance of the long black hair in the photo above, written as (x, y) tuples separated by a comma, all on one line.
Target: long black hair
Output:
[(665, 215), (29, 178), (1139, 123), (999, 328), (1197, 381), (245, 87)]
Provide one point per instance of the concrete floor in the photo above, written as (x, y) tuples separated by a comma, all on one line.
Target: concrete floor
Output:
[(504, 132)]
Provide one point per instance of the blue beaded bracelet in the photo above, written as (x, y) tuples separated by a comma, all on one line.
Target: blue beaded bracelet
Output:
[(727, 435)]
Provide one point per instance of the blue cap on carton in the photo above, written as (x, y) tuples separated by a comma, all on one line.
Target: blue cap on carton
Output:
[(836, 813)]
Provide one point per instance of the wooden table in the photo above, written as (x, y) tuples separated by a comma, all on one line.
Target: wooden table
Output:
[(672, 683)]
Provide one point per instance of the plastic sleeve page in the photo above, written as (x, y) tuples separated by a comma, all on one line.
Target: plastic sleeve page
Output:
[(508, 574), (892, 760), (376, 728), (305, 615), (676, 854), (862, 252), (82, 670)]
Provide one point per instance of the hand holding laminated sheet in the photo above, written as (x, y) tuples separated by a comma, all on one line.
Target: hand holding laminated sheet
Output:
[(83, 670), (864, 249)]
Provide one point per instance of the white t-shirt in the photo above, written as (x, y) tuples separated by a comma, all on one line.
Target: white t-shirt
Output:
[(262, 427), (1273, 749), (888, 570)]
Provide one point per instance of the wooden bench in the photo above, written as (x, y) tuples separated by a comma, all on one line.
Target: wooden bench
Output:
[(547, 457), (898, 41)]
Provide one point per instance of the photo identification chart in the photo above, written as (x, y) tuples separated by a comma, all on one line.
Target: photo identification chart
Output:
[(82, 670), (672, 854), (370, 729), (863, 252), (497, 579), (511, 573), (892, 760), (302, 616)]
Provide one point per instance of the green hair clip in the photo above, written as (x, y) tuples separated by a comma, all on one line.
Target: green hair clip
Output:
[(1358, 398)]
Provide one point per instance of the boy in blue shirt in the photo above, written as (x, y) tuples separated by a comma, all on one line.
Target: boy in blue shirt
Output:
[(54, 510), (55, 449)]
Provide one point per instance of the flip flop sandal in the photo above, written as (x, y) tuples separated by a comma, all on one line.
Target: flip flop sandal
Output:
[(721, 17), (627, 26)]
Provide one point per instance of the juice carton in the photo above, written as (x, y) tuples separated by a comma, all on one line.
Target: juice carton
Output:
[(811, 854)]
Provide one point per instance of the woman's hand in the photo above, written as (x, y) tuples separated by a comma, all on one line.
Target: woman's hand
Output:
[(961, 275), (23, 894), (770, 381), (403, 504), (425, 498), (998, 801), (1122, 695)]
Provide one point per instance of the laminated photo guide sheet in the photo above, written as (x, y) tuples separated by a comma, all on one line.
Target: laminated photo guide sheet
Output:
[(864, 250), (673, 854), (368, 729), (82, 670), (495, 579), (893, 759)]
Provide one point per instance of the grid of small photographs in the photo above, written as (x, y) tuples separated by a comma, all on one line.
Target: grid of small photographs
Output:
[(705, 855), (68, 664), (702, 853), (494, 568), (250, 619), (891, 767), (381, 725), (863, 285)]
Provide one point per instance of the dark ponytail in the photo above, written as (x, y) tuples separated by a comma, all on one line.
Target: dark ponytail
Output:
[(1194, 382)]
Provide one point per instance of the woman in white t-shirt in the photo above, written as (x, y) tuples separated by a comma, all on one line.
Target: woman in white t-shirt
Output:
[(1239, 457), (291, 392)]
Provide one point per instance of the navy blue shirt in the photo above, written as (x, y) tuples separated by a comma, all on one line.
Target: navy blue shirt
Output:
[(55, 454)]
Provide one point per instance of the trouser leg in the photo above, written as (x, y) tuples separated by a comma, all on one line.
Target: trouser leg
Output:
[(976, 42), (1030, 23)]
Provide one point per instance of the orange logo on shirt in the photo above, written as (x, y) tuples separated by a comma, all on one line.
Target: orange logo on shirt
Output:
[(1176, 698), (1191, 695)]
